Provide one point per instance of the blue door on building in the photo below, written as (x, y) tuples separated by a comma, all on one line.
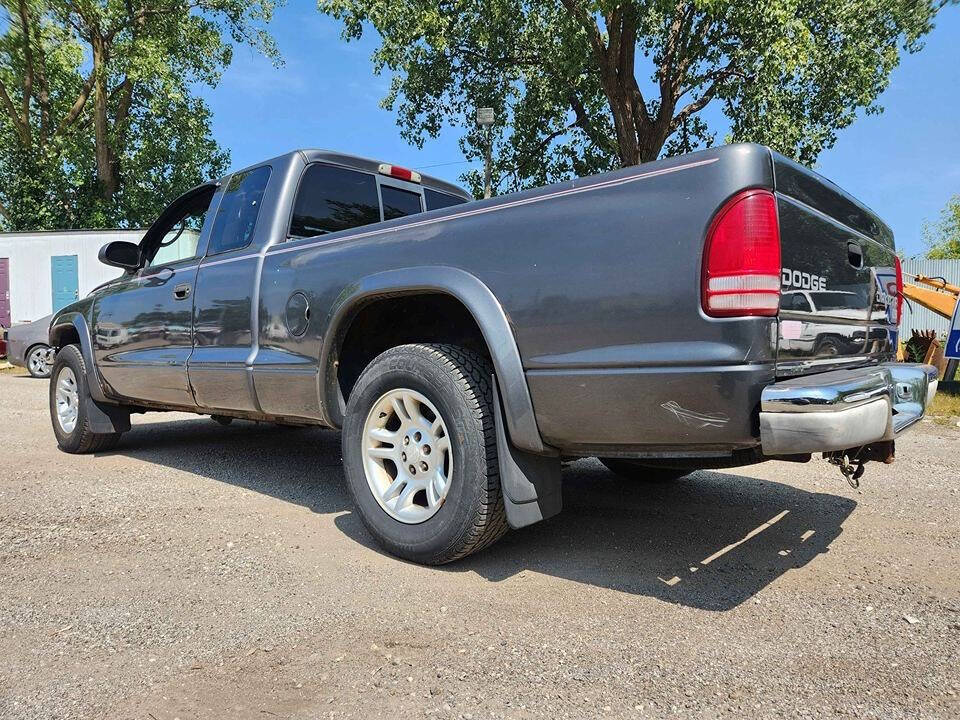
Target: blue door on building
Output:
[(64, 280)]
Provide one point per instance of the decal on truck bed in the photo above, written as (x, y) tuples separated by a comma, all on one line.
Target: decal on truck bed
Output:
[(802, 280)]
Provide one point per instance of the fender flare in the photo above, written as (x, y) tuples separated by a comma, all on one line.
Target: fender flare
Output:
[(486, 311), (77, 322)]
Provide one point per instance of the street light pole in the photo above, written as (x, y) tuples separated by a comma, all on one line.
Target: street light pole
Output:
[(488, 171), (485, 120)]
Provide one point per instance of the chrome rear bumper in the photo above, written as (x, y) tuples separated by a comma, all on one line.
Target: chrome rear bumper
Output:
[(844, 409)]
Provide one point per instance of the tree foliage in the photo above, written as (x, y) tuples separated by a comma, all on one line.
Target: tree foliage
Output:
[(582, 86), (99, 121), (943, 236)]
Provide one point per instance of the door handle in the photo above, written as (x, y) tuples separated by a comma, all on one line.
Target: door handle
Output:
[(855, 254), (181, 292)]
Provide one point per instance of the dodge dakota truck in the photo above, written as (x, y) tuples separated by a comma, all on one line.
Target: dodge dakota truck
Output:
[(658, 317)]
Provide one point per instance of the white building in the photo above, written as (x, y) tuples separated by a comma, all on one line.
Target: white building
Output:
[(40, 272)]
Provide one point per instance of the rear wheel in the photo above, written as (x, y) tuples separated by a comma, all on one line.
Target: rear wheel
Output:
[(39, 361), (68, 405), (635, 470), (419, 451)]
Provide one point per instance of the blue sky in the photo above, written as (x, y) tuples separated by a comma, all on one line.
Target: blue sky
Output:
[(903, 163)]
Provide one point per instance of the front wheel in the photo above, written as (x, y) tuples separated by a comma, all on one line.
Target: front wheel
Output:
[(39, 361), (635, 470), (419, 451), (68, 405)]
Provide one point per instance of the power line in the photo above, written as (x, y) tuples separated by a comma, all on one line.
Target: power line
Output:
[(455, 162)]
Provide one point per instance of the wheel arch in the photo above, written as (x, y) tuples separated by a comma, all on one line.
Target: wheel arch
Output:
[(483, 307), (72, 329)]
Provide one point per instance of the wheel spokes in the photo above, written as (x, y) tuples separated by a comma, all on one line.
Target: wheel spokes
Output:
[(436, 488), (407, 455), (409, 490), (394, 488), (381, 434), (67, 400), (399, 407), (413, 408), (384, 452)]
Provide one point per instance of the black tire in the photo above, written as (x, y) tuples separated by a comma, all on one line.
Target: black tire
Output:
[(39, 348), (457, 382), (829, 347), (635, 470), (81, 439), (222, 419)]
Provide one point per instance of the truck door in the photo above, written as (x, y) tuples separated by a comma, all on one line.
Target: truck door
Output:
[(223, 303), (142, 323)]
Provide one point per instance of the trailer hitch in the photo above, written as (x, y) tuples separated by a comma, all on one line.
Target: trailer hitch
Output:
[(852, 462)]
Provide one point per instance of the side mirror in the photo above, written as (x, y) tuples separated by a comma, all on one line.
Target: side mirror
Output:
[(121, 254)]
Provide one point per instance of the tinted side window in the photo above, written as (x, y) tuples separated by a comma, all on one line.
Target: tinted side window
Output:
[(239, 209), (436, 200), (399, 203), (332, 199)]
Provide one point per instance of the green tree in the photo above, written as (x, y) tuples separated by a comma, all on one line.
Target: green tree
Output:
[(586, 85), (99, 121), (943, 236)]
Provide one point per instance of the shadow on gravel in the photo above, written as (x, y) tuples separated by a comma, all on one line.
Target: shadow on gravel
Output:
[(711, 541), (296, 465)]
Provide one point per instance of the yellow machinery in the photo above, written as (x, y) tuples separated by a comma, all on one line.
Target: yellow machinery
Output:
[(942, 299), (940, 296)]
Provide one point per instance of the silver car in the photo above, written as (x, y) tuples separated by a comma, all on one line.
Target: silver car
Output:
[(27, 347)]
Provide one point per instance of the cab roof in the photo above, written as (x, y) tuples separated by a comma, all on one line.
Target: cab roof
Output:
[(312, 155)]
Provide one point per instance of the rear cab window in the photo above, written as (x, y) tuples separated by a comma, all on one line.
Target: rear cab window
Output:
[(333, 198), (436, 200), (399, 203)]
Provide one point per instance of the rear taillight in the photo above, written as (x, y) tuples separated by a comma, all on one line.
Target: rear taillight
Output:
[(899, 268), (741, 258)]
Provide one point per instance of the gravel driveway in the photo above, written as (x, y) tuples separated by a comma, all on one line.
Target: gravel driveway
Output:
[(200, 571)]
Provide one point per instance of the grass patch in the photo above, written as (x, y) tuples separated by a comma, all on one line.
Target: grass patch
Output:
[(945, 409), (8, 369)]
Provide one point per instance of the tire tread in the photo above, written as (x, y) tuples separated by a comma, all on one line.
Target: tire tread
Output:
[(475, 374)]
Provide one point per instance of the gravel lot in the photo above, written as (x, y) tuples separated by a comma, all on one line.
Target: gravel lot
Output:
[(209, 572)]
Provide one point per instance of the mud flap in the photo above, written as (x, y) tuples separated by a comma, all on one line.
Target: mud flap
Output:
[(530, 483), (105, 419)]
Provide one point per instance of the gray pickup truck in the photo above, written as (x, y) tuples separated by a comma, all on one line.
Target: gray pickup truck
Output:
[(656, 317)]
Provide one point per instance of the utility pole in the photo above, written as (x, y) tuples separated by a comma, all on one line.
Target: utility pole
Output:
[(485, 120)]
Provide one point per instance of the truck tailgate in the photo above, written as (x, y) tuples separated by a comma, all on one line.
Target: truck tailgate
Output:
[(838, 302)]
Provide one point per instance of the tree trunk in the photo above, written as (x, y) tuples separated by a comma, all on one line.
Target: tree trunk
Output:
[(639, 137), (106, 171), (637, 141)]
